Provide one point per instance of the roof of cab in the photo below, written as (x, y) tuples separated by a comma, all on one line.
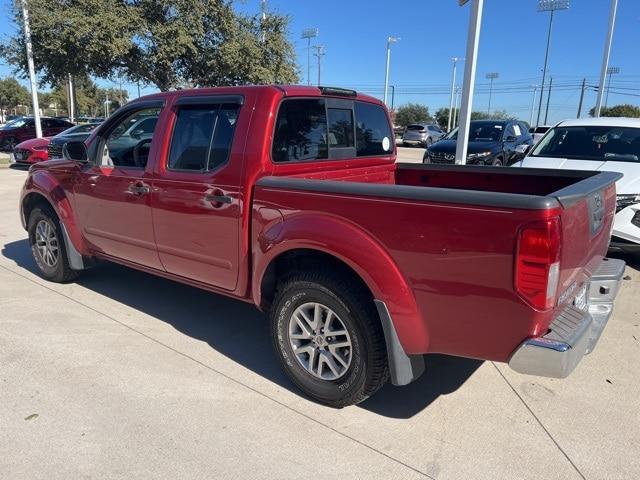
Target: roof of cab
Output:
[(602, 121), (285, 90)]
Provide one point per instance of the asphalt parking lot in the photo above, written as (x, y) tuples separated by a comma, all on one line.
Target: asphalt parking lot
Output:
[(125, 375)]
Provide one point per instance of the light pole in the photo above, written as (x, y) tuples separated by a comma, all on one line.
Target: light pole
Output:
[(548, 6), (32, 72), (533, 104), (390, 40), (456, 108), (491, 76), (610, 71), (320, 52), (309, 33), (605, 56), (453, 86)]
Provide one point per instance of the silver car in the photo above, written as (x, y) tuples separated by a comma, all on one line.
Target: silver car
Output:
[(421, 135)]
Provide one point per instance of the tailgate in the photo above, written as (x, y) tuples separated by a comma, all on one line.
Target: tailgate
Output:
[(587, 220)]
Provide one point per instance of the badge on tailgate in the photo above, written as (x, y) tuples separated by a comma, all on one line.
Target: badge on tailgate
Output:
[(596, 211)]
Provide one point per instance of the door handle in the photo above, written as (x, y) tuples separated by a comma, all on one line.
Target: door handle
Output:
[(219, 198), (139, 188)]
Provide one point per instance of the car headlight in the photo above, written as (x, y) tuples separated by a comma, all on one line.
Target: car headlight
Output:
[(625, 200), (478, 156)]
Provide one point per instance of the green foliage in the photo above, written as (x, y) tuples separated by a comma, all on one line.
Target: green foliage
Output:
[(624, 110), (12, 94), (412, 113), (167, 43)]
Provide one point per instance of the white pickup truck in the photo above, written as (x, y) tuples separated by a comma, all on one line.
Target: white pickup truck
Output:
[(606, 144)]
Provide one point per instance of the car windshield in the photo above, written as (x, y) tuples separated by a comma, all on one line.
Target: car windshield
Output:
[(599, 143), (480, 132), (88, 127), (17, 123)]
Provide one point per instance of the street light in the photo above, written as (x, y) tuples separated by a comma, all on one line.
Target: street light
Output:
[(533, 103), (491, 77), (309, 33), (548, 6), (390, 40), (319, 53), (453, 86), (610, 71)]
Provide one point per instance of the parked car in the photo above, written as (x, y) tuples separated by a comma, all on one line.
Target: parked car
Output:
[(24, 128), (491, 142), (79, 133), (421, 135), (538, 132), (602, 144), (46, 148), (290, 198)]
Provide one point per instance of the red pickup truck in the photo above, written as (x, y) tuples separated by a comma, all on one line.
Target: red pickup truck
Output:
[(290, 198)]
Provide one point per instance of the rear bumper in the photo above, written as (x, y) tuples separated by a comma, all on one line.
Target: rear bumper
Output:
[(575, 332)]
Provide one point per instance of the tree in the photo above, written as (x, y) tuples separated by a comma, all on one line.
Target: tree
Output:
[(412, 113), (12, 94), (167, 43), (624, 110)]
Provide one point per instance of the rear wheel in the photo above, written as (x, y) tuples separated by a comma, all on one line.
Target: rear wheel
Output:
[(497, 162), (429, 141), (328, 338), (9, 144), (48, 247)]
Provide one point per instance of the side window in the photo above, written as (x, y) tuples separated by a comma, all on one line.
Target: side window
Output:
[(47, 123), (516, 130), (301, 131), (373, 133), (202, 137), (340, 128), (129, 142), (509, 132)]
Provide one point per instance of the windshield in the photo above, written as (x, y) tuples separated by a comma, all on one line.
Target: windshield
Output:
[(600, 143), (480, 132), (78, 129), (17, 123)]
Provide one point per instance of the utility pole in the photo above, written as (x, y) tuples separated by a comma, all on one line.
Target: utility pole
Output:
[(533, 104), (309, 33), (456, 108), (548, 6), (605, 56), (32, 70), (138, 88), (320, 52), (491, 76), (546, 112), (473, 38), (393, 94), (453, 86), (390, 40), (263, 16), (106, 106), (71, 103), (610, 71), (584, 84)]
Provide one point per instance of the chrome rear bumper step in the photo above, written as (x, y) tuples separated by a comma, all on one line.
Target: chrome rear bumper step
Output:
[(575, 332)]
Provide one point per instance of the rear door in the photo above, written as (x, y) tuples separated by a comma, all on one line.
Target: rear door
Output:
[(197, 200)]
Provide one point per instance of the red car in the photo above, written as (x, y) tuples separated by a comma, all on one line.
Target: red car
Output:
[(24, 128), (289, 198), (46, 148)]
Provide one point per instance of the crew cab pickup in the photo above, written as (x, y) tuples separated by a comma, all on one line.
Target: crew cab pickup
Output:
[(290, 198)]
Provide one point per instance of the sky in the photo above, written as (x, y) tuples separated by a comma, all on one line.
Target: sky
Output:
[(512, 44)]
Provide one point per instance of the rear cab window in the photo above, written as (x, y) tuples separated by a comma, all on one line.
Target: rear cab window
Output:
[(330, 128)]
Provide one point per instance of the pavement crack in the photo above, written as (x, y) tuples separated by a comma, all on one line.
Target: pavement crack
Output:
[(224, 375), (539, 422)]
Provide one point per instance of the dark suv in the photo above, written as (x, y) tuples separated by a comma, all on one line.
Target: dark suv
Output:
[(491, 142)]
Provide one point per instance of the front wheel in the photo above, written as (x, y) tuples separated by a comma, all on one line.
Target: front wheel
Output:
[(497, 162), (48, 247), (328, 338)]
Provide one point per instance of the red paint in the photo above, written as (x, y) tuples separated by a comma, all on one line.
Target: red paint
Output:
[(445, 271)]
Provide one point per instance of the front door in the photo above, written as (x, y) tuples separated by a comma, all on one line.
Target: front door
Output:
[(197, 197), (114, 193)]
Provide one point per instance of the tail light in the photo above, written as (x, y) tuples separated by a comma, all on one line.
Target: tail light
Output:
[(538, 262)]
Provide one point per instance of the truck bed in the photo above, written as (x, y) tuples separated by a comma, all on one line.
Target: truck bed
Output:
[(457, 241)]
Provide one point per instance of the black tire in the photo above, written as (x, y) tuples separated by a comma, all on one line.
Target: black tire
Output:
[(367, 371), (497, 162), (60, 272), (429, 142), (405, 144)]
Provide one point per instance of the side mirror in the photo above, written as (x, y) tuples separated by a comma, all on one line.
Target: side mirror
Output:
[(137, 133), (75, 151), (523, 148)]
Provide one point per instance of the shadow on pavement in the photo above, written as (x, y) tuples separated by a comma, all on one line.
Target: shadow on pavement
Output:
[(241, 333)]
